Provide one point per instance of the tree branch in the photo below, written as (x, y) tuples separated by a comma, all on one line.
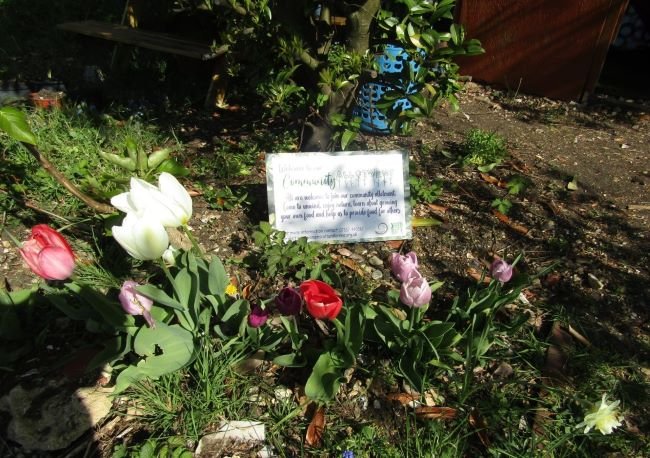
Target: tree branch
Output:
[(359, 23), (72, 189)]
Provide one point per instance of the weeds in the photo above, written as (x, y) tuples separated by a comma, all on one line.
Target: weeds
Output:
[(483, 149)]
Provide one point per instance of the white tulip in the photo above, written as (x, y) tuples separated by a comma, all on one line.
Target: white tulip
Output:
[(169, 203), (176, 197), (142, 238)]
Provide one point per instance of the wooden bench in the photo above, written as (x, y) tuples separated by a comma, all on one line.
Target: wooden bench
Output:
[(161, 42)]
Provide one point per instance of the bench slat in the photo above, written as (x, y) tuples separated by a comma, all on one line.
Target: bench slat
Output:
[(150, 40)]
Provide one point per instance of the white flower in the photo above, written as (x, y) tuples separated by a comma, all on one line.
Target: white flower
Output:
[(169, 256), (142, 238), (169, 203), (604, 417)]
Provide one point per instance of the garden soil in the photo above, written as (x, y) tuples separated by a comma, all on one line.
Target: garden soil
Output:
[(584, 217)]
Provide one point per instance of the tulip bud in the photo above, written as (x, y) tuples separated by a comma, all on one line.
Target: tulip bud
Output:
[(48, 254), (500, 270), (141, 238), (169, 256), (288, 301), (258, 316), (135, 303), (403, 266), (415, 291)]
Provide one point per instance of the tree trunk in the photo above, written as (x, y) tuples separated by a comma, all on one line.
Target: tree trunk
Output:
[(317, 135)]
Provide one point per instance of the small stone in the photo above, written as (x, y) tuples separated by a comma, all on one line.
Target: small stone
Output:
[(282, 393), (344, 252), (238, 431), (376, 404), (375, 261), (356, 257), (377, 274), (503, 371), (594, 282)]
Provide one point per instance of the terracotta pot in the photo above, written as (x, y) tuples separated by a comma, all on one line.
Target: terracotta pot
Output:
[(47, 99)]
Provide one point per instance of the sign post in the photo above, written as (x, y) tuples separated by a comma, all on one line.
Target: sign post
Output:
[(340, 197)]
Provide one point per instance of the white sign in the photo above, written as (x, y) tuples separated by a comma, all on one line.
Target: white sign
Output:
[(347, 197)]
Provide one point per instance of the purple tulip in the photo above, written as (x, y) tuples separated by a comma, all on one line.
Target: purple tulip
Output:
[(288, 301), (415, 291), (501, 270), (135, 303), (258, 316), (403, 266)]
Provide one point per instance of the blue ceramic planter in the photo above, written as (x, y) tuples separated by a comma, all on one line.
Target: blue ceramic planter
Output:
[(395, 67)]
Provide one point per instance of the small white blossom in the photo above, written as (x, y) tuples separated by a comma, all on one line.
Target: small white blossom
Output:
[(604, 417)]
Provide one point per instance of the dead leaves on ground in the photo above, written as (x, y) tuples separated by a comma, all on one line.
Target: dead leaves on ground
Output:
[(316, 427), (523, 230), (435, 413)]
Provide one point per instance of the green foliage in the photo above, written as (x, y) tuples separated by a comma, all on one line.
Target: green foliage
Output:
[(298, 259), (424, 191), (417, 345), (79, 146), (224, 198), (14, 123), (502, 205), (189, 401), (517, 184), (483, 150), (173, 447)]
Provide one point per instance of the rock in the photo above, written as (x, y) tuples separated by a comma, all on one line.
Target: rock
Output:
[(344, 252), (230, 431), (52, 416), (282, 393), (594, 282), (503, 371), (375, 261), (377, 274)]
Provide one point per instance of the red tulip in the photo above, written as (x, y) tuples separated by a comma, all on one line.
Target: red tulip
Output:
[(321, 300), (48, 254)]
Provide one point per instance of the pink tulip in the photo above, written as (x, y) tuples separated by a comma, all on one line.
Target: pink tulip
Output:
[(501, 270), (415, 291), (48, 254), (403, 266), (135, 303), (258, 316)]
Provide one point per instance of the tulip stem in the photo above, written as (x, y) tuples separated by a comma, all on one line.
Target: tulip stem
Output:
[(195, 243), (412, 313), (165, 269)]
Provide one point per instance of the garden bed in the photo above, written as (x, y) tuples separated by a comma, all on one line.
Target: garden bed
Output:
[(583, 215)]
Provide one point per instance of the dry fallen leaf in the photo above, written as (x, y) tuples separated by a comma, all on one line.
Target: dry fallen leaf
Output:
[(478, 423), (316, 428), (437, 208), (493, 180), (512, 225), (394, 244), (402, 398), (436, 413), (350, 264), (476, 275)]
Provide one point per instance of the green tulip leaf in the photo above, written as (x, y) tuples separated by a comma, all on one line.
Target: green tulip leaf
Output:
[(159, 296), (173, 167), (164, 349), (325, 379), (290, 360), (218, 278), (14, 123)]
